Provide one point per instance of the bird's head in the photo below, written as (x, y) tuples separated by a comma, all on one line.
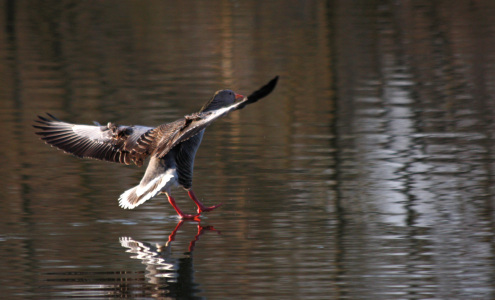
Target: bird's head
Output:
[(221, 99)]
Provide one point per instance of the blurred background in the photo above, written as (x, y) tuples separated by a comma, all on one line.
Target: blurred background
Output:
[(367, 174)]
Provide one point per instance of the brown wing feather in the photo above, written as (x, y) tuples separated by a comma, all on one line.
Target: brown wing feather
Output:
[(152, 141), (126, 144), (182, 130), (115, 143), (188, 127)]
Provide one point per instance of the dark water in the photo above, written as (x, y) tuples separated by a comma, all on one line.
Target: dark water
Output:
[(367, 174)]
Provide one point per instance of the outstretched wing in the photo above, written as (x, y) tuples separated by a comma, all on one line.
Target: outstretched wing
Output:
[(126, 144), (183, 129), (115, 143), (258, 94)]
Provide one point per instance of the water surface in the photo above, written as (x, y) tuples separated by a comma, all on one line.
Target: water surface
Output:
[(367, 174)]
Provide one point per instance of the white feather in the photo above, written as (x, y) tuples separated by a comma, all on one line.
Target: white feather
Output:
[(163, 182)]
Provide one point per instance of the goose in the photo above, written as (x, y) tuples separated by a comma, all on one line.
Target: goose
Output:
[(171, 147)]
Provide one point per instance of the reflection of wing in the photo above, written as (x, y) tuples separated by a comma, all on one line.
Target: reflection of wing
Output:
[(191, 125), (149, 254), (158, 260), (115, 143)]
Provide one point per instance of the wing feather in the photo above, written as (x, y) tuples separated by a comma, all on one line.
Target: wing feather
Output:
[(115, 143), (188, 127), (126, 144)]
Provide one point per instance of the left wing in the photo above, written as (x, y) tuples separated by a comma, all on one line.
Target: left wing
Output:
[(115, 143)]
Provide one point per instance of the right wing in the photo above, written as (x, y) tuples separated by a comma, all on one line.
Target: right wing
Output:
[(183, 129), (115, 143), (258, 94)]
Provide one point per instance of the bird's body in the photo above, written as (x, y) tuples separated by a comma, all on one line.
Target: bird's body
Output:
[(163, 174), (171, 147)]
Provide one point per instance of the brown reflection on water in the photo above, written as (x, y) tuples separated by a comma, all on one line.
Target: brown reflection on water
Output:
[(366, 174), (164, 274)]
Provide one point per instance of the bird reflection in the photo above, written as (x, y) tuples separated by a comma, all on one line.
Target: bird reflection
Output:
[(169, 275)]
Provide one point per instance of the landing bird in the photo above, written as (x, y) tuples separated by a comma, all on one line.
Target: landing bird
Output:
[(172, 146)]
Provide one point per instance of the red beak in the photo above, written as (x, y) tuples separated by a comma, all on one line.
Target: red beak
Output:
[(238, 96)]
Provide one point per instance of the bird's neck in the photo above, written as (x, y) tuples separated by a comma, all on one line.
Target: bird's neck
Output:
[(213, 104)]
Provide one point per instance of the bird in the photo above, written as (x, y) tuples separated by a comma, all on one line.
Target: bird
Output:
[(170, 147)]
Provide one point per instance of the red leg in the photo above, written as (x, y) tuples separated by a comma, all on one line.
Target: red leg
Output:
[(201, 230), (201, 207), (171, 237), (179, 211)]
